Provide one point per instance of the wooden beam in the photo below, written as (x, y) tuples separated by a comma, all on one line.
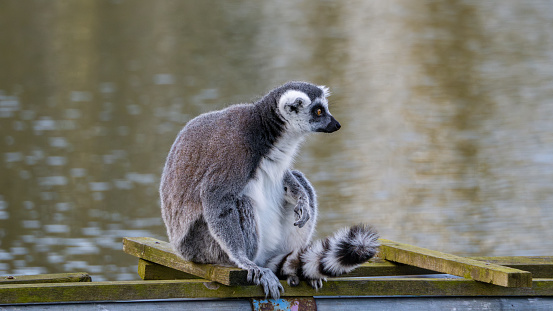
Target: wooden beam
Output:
[(162, 253), (45, 278), (539, 266), (148, 270), (152, 271), (163, 264), (172, 289), (455, 265), (380, 267)]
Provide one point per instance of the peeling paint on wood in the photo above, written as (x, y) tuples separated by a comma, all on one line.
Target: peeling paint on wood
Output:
[(293, 304)]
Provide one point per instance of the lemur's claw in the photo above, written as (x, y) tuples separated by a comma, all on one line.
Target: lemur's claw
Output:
[(302, 216), (267, 279), (293, 280)]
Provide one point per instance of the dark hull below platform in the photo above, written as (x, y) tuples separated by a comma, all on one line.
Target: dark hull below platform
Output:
[(326, 303)]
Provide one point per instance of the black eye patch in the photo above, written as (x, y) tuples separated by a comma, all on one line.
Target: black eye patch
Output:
[(318, 110)]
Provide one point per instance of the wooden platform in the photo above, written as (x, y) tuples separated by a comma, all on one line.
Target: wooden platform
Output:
[(394, 274), (160, 256)]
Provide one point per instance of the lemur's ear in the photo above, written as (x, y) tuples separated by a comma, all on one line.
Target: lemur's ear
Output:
[(295, 105), (326, 91)]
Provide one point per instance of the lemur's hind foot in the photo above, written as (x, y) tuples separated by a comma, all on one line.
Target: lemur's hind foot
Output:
[(267, 279)]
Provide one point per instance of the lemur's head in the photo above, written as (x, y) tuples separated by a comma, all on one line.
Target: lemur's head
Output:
[(304, 108)]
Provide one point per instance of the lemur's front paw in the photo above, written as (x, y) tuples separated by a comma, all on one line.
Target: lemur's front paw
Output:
[(266, 278), (302, 215)]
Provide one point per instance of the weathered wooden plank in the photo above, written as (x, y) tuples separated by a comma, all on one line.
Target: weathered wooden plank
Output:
[(379, 267), (140, 290), (455, 265), (539, 266), (163, 264), (148, 270), (45, 278), (162, 253), (152, 271)]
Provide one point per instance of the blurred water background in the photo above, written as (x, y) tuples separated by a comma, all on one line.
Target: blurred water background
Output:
[(446, 110)]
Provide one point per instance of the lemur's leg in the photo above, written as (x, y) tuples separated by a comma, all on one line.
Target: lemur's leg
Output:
[(300, 219), (223, 213)]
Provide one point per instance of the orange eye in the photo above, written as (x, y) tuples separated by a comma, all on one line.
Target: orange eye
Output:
[(319, 112)]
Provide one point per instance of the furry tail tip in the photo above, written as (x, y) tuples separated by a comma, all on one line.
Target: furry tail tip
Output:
[(340, 253)]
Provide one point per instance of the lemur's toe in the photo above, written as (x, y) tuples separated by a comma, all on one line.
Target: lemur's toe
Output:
[(293, 280)]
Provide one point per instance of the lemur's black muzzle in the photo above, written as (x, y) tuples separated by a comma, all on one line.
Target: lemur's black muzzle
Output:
[(332, 126)]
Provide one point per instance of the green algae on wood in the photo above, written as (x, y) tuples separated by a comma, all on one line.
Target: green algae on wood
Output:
[(172, 289), (162, 253), (539, 266), (454, 265), (169, 263), (379, 267), (152, 271), (45, 278)]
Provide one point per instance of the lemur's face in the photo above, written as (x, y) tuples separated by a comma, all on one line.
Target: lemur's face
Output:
[(305, 115)]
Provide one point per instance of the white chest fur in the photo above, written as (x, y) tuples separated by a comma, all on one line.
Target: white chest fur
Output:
[(267, 193)]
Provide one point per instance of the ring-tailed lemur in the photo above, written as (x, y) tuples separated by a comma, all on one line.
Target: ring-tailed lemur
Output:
[(229, 195)]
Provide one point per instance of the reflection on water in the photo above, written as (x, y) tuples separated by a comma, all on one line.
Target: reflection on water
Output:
[(446, 142)]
